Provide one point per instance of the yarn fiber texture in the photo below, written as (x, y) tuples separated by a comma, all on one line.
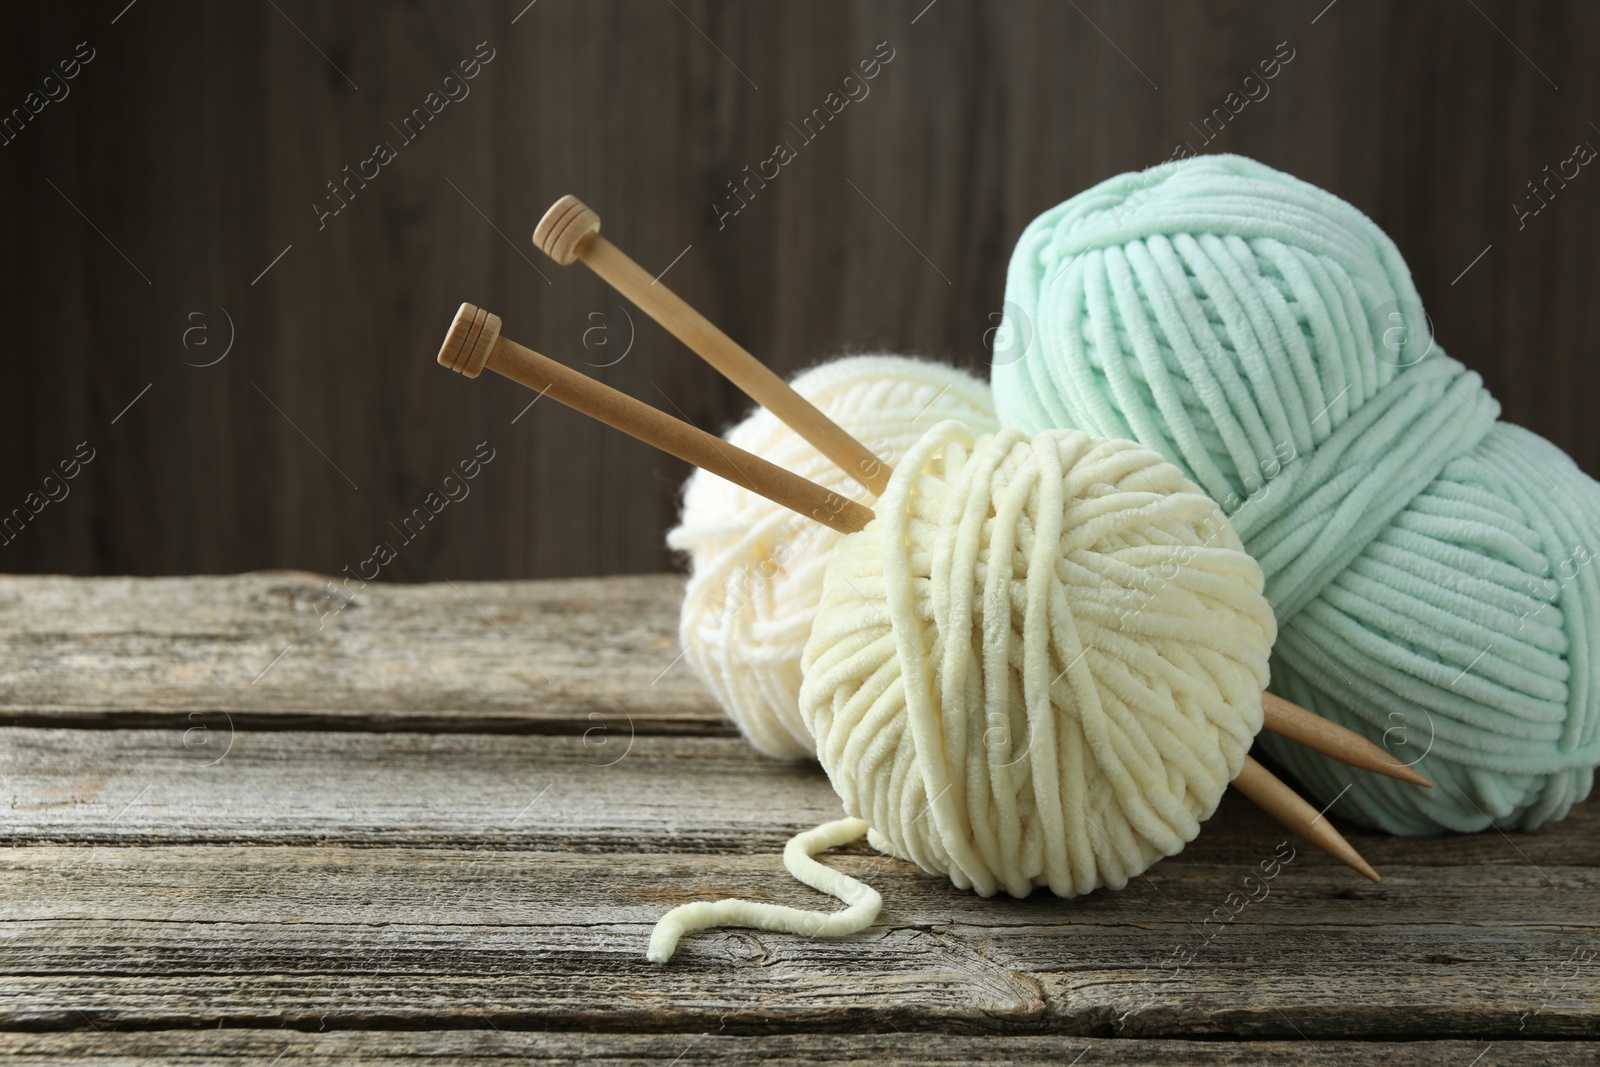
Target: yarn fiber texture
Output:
[(756, 568), (1432, 568), (1040, 664)]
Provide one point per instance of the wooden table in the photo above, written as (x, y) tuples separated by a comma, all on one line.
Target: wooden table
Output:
[(246, 819)]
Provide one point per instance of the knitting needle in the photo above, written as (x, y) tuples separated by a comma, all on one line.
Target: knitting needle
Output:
[(1331, 739), (1291, 810), (474, 342), (570, 230)]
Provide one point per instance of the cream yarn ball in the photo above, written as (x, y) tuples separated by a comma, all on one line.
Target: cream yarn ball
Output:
[(1040, 664), (755, 567)]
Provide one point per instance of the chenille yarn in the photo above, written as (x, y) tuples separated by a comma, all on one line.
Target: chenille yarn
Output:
[(1040, 664), (755, 567), (1432, 567)]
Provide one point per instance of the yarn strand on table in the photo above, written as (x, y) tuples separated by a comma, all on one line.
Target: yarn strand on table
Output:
[(862, 901)]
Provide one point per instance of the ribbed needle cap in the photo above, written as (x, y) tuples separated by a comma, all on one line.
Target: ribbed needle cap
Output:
[(568, 222), (471, 338)]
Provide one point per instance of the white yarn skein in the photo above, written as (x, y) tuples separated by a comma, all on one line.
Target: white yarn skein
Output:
[(1056, 646), (756, 568), (1040, 664)]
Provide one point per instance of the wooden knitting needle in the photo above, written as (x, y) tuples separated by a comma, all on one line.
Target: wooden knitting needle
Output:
[(474, 342), (1291, 810), (1331, 739), (570, 230)]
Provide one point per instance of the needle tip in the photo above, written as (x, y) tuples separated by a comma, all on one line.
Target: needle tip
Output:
[(1406, 773)]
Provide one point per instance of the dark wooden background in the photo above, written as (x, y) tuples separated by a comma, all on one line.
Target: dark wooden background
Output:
[(192, 148)]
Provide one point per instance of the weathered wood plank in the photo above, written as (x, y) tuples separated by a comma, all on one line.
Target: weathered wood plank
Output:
[(289, 649), (368, 937), (231, 870), (607, 791), (487, 1047), (522, 878)]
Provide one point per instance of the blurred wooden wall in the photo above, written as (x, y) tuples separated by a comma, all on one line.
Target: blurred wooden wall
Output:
[(141, 210)]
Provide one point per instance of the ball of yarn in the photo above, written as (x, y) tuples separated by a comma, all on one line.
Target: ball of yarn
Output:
[(1432, 568), (755, 567), (1040, 664)]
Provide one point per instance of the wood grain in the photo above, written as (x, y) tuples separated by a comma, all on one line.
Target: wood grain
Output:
[(292, 648), (378, 937), (207, 1048), (607, 788), (420, 881), (398, 840), (1430, 115)]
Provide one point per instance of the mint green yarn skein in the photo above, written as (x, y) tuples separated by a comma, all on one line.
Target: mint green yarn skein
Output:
[(1434, 570)]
